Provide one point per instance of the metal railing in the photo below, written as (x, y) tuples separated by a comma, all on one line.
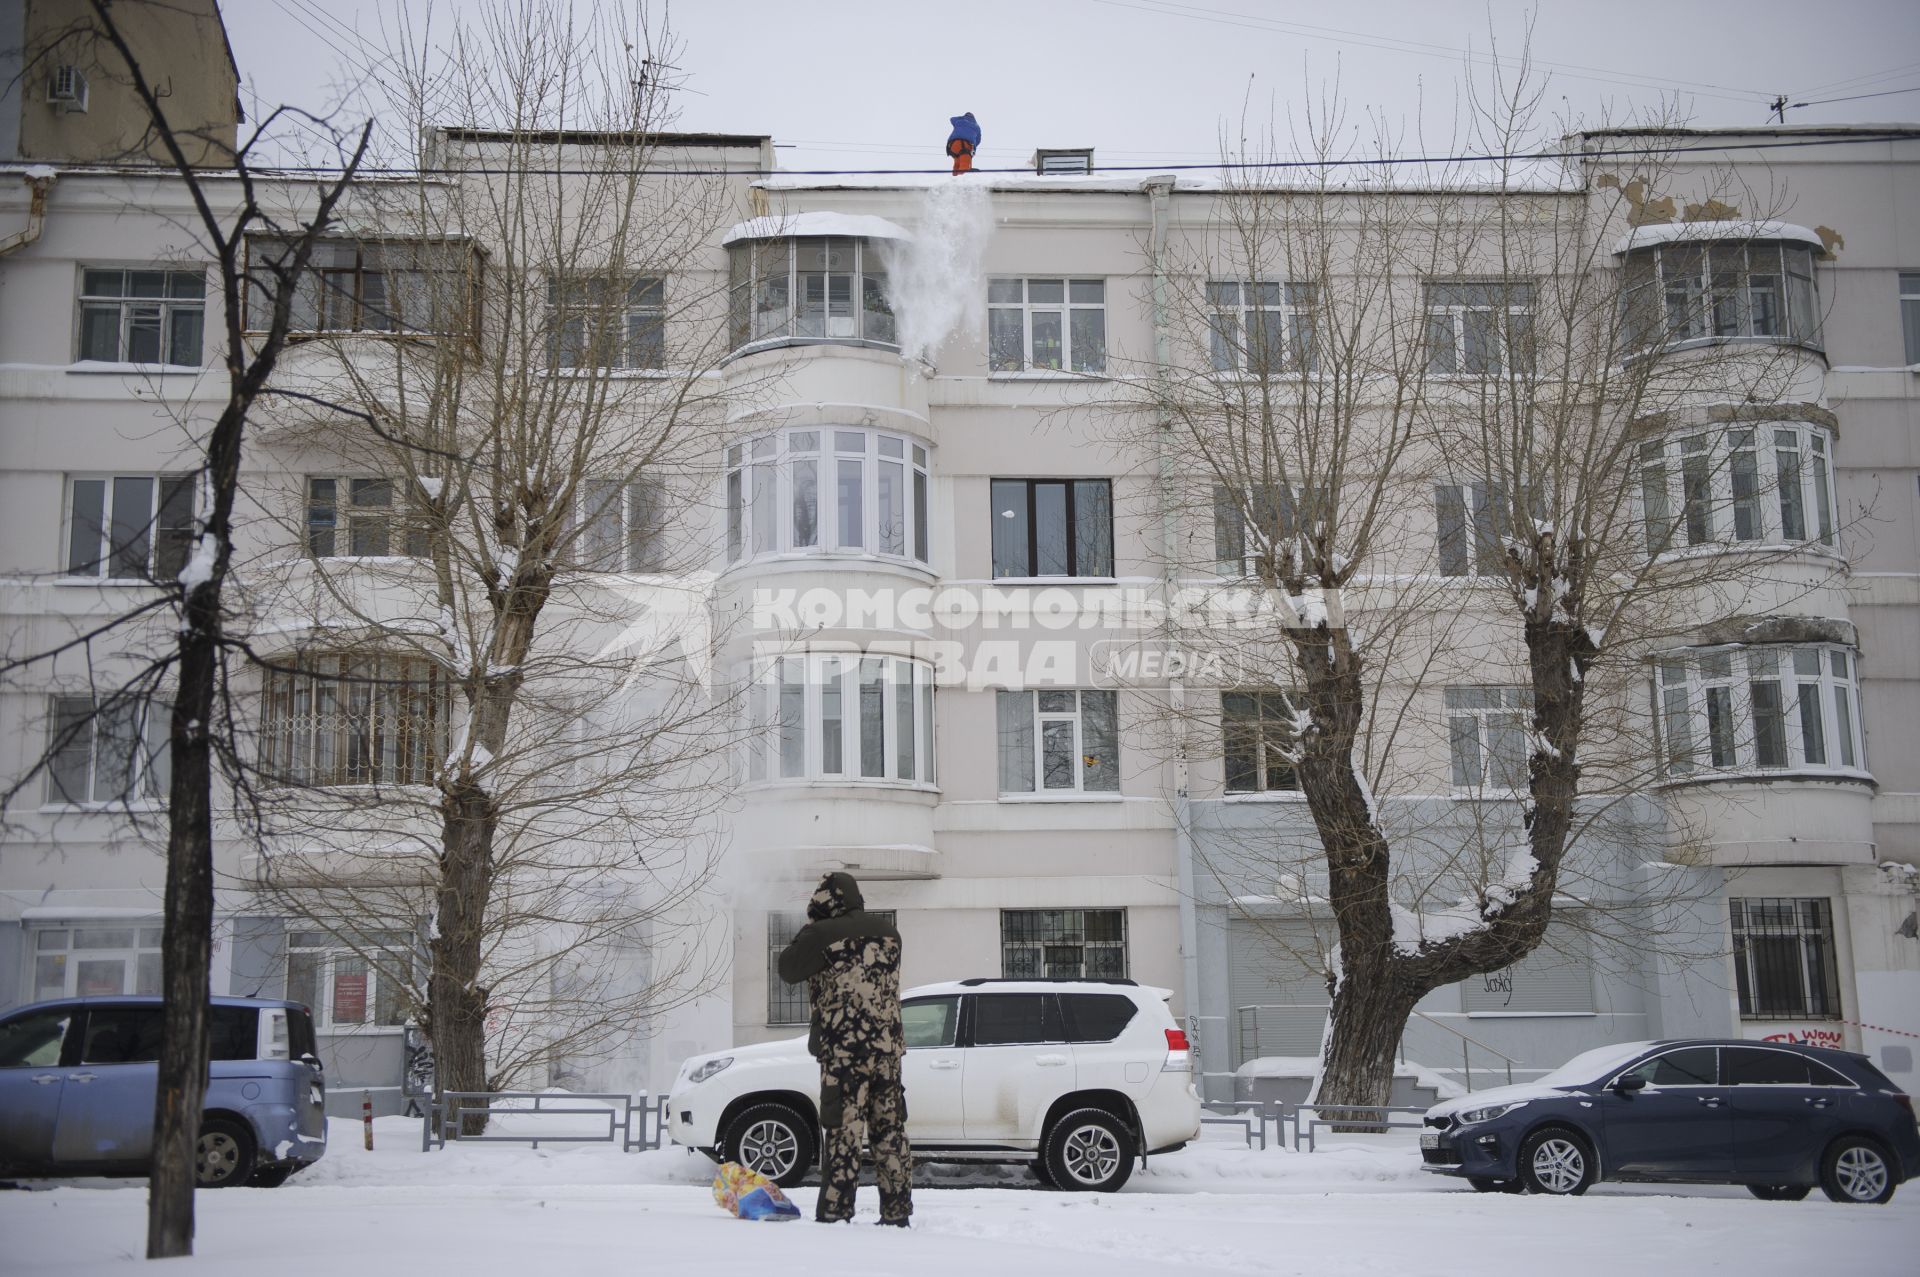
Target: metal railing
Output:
[(1319, 1009), (1466, 1059), (627, 1118), (1372, 1117)]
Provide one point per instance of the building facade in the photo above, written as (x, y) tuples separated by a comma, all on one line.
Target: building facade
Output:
[(923, 552)]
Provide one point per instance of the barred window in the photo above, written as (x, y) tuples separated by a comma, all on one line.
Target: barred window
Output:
[(335, 719), (788, 1003), (1063, 943), (1783, 959)]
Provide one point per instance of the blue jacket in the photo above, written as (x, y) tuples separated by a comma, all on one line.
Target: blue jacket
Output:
[(965, 129)]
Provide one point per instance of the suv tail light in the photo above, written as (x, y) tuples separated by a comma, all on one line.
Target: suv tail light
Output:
[(1179, 1053)]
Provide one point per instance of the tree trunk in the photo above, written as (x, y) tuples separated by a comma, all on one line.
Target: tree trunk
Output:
[(1365, 1023), (457, 1002)]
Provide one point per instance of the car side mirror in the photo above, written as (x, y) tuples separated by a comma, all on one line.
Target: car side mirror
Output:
[(1630, 1083)]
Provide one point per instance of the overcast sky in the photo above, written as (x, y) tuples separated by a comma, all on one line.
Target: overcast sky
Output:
[(871, 83)]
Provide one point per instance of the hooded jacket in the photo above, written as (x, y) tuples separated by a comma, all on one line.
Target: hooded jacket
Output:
[(850, 960)]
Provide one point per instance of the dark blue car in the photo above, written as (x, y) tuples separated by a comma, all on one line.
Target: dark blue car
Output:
[(77, 1081), (1777, 1118)]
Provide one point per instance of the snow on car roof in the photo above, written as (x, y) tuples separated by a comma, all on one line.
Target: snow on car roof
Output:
[(1590, 1066), (950, 987)]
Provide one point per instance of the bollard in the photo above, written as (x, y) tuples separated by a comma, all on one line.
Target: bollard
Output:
[(366, 1116)]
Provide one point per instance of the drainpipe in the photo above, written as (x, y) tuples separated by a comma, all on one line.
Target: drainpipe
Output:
[(1159, 192), (39, 177)]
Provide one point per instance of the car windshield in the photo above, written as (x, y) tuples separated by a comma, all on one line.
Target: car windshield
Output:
[(1594, 1065)]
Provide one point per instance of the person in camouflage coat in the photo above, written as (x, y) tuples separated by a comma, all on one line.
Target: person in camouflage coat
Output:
[(850, 960)]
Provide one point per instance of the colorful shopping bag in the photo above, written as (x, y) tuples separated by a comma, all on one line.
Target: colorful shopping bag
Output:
[(746, 1194)]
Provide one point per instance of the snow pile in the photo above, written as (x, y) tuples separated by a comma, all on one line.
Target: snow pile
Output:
[(936, 281), (199, 569)]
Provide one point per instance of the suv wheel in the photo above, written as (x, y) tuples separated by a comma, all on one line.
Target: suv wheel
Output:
[(1088, 1150), (1557, 1162), (223, 1156), (773, 1139), (1856, 1170)]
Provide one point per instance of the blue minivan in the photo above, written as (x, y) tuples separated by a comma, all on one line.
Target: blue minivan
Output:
[(77, 1080), (1777, 1118)]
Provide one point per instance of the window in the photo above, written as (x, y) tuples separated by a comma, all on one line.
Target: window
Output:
[(827, 491), (1096, 1017), (1016, 1019), (1766, 485), (1261, 329), (1479, 329), (1689, 1066), (1046, 944), (131, 1035), (810, 288), (142, 316), (1257, 525), (130, 527), (110, 754), (1069, 741), (621, 527), (596, 322), (1052, 527), (334, 719), (788, 1003), (930, 1022), (1764, 708), (1910, 314), (387, 286), (105, 960), (1487, 730), (1695, 291), (1783, 960), (1047, 324), (359, 518), (350, 986), (1758, 1066), (1259, 731), (1473, 523), (34, 1041), (842, 717)]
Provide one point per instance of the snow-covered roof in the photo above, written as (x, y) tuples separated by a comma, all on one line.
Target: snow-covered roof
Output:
[(1705, 232), (785, 225), (1529, 176)]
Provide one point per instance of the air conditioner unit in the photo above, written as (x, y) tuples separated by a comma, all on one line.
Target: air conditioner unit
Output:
[(67, 88)]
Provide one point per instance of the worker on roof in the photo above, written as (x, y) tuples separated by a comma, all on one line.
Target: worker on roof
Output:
[(963, 142)]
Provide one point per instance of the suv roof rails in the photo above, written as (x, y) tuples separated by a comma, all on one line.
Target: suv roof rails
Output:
[(976, 981)]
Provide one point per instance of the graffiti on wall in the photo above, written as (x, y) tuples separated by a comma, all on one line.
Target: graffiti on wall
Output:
[(1809, 1037)]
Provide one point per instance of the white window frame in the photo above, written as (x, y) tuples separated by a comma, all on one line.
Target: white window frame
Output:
[(768, 474), (164, 538), (1234, 307), (1485, 512), (1708, 727), (619, 526), (59, 947), (333, 295), (636, 323), (1910, 316), (1730, 487), (1010, 296), (1688, 292), (1449, 302), (161, 311), (1230, 524), (331, 953), (766, 282), (148, 765), (801, 705), (1515, 704), (405, 538), (1043, 710)]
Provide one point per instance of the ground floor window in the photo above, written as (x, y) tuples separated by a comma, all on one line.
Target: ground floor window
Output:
[(95, 961), (1054, 943), (348, 986), (787, 1003), (1783, 959)]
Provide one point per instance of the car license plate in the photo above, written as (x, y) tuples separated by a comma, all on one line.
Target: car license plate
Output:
[(1430, 1139)]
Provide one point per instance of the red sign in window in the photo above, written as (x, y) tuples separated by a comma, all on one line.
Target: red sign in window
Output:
[(350, 998)]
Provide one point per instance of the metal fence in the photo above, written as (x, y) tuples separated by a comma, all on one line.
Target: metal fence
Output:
[(635, 1124)]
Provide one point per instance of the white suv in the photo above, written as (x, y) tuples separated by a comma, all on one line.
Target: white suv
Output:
[(1076, 1077)]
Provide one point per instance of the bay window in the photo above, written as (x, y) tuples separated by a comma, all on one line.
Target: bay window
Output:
[(1759, 484), (1759, 709), (826, 490), (848, 717), (813, 288), (1695, 291)]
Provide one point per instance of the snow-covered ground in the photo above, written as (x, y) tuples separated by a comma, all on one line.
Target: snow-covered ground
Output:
[(1357, 1206)]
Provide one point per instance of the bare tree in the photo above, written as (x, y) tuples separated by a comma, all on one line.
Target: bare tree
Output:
[(508, 410), (1347, 343), (189, 661)]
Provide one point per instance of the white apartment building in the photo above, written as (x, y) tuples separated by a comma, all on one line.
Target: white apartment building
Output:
[(1022, 822)]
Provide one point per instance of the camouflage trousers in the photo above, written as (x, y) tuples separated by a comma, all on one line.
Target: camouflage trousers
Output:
[(871, 1109)]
